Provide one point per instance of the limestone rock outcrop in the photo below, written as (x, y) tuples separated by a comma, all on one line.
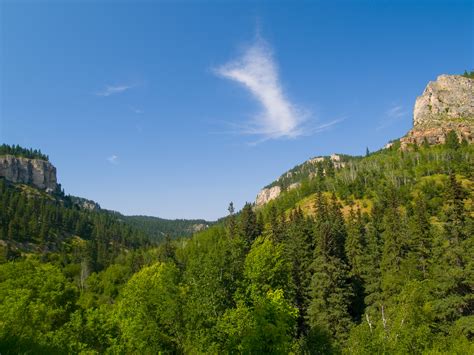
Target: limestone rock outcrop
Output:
[(295, 176), (267, 194), (446, 104), (36, 172), (449, 97)]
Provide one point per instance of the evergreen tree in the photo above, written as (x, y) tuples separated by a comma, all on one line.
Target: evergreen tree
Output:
[(231, 221), (356, 249), (421, 238), (371, 269), (275, 228), (299, 251), (330, 286), (452, 141), (454, 278), (395, 247), (249, 226)]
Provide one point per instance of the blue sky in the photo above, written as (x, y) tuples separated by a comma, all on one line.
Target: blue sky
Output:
[(175, 109)]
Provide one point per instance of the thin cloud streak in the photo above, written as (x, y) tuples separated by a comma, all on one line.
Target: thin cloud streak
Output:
[(113, 159), (257, 71), (392, 115), (396, 111), (136, 110), (113, 90), (308, 131)]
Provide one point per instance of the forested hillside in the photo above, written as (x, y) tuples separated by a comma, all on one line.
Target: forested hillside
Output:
[(51, 226), (159, 228), (374, 257)]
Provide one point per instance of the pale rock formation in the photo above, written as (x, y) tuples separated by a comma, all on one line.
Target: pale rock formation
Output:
[(446, 104), (267, 194), (36, 172)]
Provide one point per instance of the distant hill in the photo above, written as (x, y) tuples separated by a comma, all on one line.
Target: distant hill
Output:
[(160, 227)]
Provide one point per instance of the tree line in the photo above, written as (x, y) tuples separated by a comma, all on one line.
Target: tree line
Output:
[(18, 151)]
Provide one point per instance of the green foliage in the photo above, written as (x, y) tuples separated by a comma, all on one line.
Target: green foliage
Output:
[(32, 221), (468, 74), (158, 228), (35, 301), (372, 258), (452, 141), (148, 313), (267, 326), (266, 268), (18, 151)]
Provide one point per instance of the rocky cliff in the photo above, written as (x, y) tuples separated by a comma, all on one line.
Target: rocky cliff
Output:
[(267, 194), (446, 104), (36, 172), (292, 178)]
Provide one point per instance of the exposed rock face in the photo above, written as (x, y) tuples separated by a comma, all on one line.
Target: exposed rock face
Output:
[(446, 104), (437, 135), (335, 158), (294, 185), (450, 96), (268, 194), (36, 172), (85, 203), (198, 227)]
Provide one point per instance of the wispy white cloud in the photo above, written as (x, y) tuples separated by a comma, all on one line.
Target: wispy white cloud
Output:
[(393, 114), (396, 111), (113, 90), (136, 110), (257, 71), (113, 159)]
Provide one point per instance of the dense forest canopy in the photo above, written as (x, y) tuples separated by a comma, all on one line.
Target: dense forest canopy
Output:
[(160, 227), (18, 151), (375, 257)]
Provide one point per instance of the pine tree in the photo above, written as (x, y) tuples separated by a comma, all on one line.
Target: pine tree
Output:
[(231, 221), (330, 286), (395, 247), (453, 264), (275, 228), (356, 249), (452, 140), (371, 269), (299, 252), (249, 227), (420, 237)]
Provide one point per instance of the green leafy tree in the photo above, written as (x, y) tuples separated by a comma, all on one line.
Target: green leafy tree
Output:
[(36, 300), (267, 268), (149, 311), (267, 326)]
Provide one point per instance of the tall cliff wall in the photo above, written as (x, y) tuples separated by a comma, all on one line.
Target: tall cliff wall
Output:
[(36, 172), (446, 104)]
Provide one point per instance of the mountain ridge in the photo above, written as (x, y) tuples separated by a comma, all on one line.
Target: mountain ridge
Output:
[(446, 104)]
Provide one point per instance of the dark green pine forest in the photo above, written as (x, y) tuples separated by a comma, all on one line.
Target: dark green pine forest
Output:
[(376, 257)]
